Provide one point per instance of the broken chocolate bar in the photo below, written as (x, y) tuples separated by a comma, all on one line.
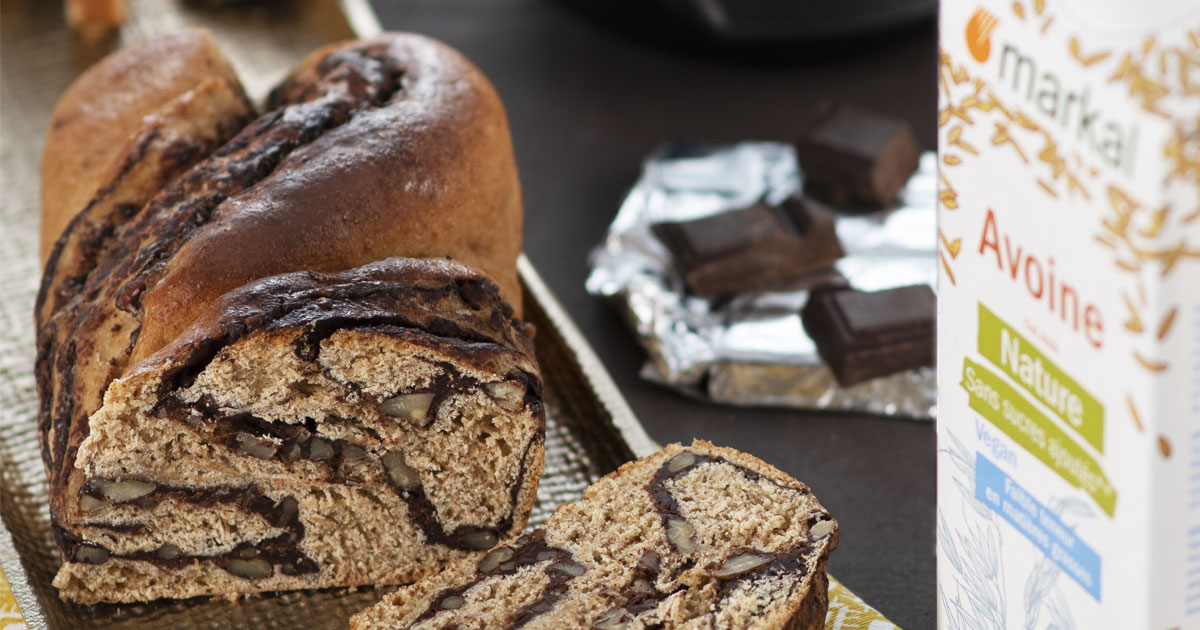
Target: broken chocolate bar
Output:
[(854, 157), (863, 335), (753, 248)]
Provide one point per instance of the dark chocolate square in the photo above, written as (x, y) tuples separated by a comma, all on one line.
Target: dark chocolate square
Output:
[(753, 248), (901, 309), (863, 335), (850, 156)]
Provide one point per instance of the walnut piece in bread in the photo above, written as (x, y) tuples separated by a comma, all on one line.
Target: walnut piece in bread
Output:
[(690, 537), (257, 369)]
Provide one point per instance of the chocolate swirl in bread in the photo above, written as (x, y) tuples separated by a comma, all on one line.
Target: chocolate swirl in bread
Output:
[(695, 537), (234, 397)]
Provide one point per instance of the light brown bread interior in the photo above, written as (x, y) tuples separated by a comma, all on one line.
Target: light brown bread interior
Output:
[(617, 560), (473, 451)]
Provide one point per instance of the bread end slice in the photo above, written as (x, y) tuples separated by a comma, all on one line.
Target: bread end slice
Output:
[(693, 536)]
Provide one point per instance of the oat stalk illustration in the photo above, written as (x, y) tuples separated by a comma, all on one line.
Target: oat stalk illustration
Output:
[(978, 601), (1042, 591)]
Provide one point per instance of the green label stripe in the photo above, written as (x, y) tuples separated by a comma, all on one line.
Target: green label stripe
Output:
[(1002, 405), (1026, 365)]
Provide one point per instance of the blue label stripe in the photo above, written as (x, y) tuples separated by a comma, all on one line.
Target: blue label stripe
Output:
[(995, 489)]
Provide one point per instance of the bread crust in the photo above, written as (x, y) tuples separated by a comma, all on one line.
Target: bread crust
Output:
[(105, 106), (345, 296), (424, 171), (336, 203), (169, 141)]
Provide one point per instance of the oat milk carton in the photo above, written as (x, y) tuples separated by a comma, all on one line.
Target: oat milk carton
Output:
[(1069, 315)]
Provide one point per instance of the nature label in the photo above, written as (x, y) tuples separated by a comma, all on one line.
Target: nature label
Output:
[(1027, 366)]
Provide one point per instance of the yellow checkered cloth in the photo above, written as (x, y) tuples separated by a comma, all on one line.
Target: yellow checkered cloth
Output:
[(10, 615), (846, 611)]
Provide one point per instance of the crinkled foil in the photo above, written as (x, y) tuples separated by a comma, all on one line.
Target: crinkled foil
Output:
[(752, 349)]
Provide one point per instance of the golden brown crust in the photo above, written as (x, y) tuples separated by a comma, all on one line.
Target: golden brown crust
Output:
[(429, 175), (168, 142), (485, 319), (105, 106)]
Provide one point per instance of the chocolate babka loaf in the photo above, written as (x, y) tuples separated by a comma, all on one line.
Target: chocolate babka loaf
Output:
[(690, 537), (280, 352)]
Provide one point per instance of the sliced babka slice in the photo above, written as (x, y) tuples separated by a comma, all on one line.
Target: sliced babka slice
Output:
[(310, 430), (690, 537)]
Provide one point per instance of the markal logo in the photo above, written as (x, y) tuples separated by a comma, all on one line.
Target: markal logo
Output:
[(1070, 107), (979, 34)]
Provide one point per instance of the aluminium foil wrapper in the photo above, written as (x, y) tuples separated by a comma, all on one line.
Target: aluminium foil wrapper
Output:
[(751, 349)]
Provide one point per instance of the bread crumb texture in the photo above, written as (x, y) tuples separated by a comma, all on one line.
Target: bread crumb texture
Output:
[(691, 537)]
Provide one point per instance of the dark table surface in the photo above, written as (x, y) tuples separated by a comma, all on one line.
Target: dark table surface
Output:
[(585, 104)]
